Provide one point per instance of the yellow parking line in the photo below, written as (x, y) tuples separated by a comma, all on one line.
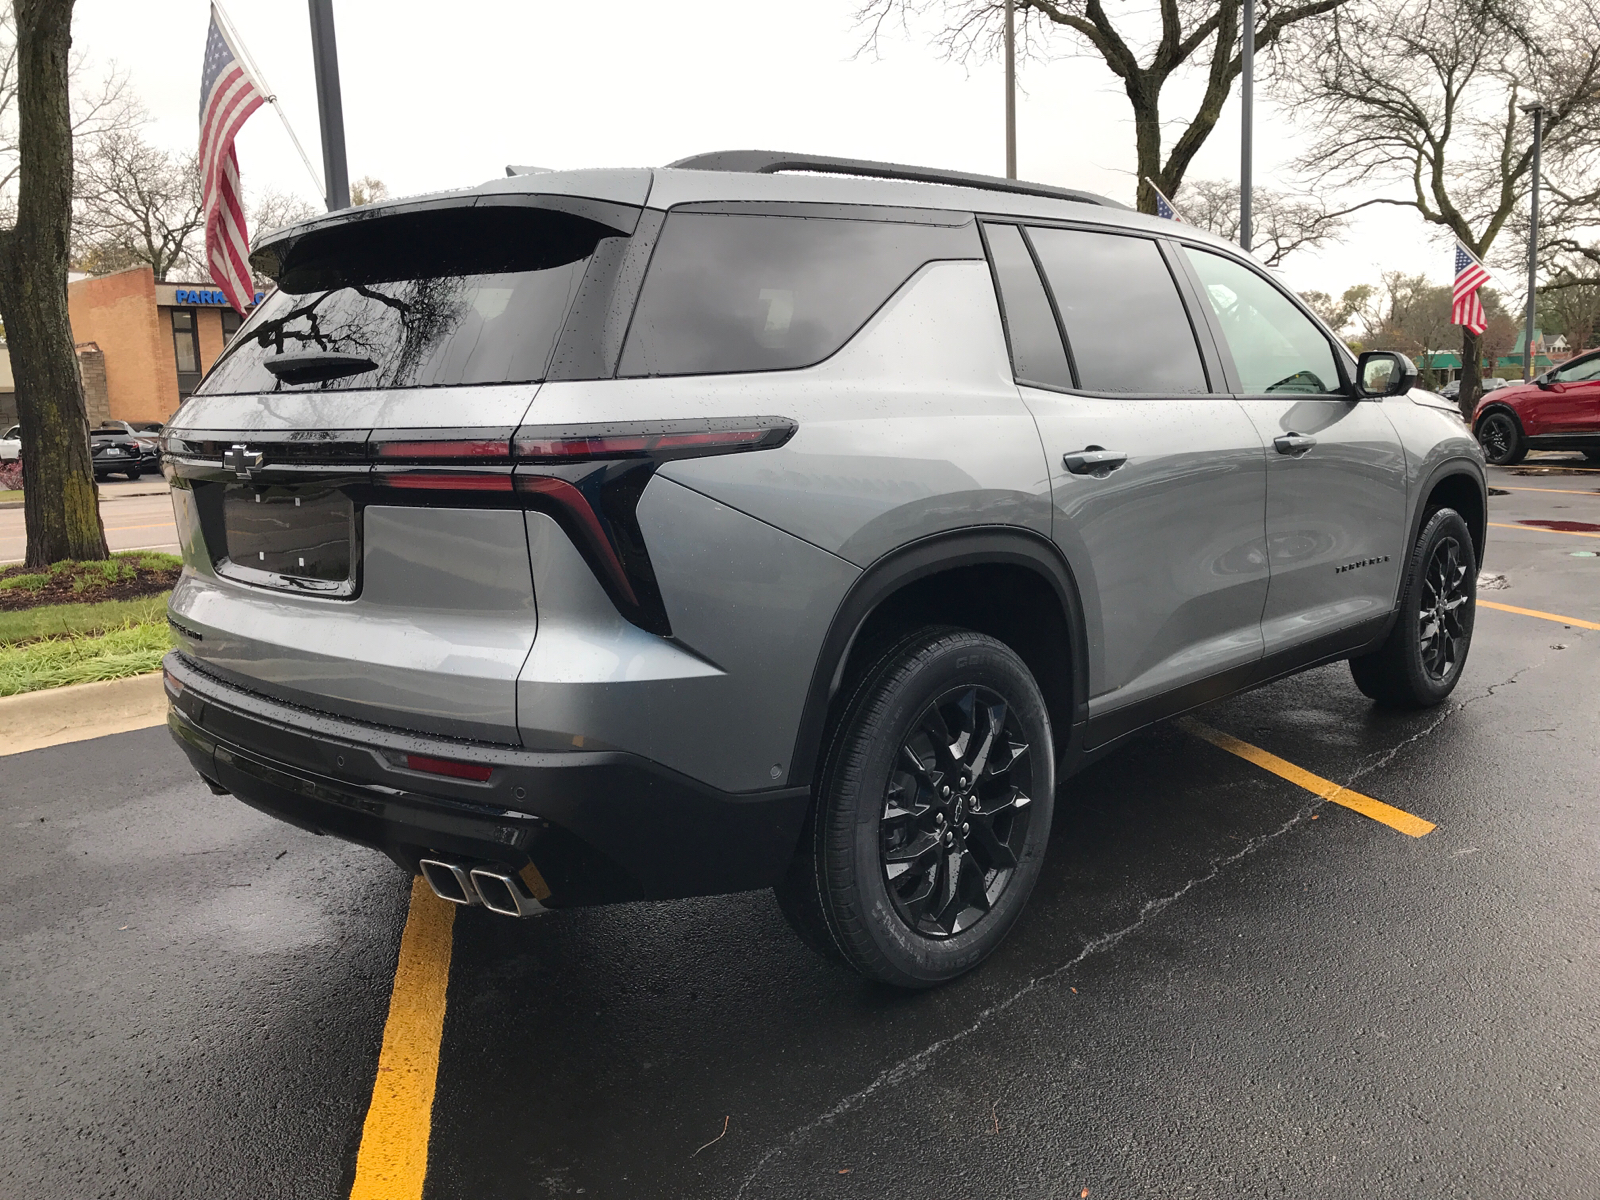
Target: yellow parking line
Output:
[(1561, 491), (1395, 818), (1534, 612), (1539, 529), (393, 1160)]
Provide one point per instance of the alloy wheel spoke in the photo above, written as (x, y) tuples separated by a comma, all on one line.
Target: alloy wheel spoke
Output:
[(984, 839)]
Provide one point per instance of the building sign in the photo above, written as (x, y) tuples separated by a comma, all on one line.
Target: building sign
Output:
[(179, 296)]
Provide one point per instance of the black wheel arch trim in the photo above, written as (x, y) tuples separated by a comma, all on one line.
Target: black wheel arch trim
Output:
[(932, 555), (1469, 469)]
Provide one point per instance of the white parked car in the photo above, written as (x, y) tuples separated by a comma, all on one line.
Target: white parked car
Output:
[(11, 444)]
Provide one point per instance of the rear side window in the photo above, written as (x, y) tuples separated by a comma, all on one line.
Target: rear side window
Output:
[(460, 296), (1276, 348), (1125, 323), (730, 292), (1037, 355)]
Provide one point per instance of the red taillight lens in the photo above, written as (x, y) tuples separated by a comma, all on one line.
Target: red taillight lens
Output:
[(443, 766), (455, 481), (658, 440), (471, 448)]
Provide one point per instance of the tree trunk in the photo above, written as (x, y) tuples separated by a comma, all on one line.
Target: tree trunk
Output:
[(61, 505), (1147, 143), (1471, 374)]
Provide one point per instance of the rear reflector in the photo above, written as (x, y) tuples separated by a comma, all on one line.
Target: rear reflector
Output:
[(443, 766)]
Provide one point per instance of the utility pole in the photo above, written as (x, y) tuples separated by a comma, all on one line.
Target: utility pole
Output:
[(1247, 100), (330, 108), (1011, 90), (1536, 110)]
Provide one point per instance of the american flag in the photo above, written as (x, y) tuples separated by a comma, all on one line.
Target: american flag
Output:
[(1465, 307), (1164, 207), (228, 95)]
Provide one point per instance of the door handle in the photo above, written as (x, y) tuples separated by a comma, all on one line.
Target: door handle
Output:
[(1093, 460), (1293, 443)]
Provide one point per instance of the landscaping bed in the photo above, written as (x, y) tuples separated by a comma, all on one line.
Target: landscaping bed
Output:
[(84, 622), (124, 576)]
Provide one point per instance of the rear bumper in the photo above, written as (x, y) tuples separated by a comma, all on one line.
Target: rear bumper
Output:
[(599, 826)]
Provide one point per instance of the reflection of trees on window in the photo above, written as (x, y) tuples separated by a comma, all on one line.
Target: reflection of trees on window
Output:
[(397, 325)]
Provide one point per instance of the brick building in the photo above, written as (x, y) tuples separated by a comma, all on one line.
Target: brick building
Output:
[(156, 339)]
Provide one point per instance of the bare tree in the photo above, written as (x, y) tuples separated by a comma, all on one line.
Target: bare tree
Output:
[(61, 507), (274, 209), (1280, 224), (1570, 305), (368, 190), (137, 204), (1185, 38), (1423, 96), (97, 108)]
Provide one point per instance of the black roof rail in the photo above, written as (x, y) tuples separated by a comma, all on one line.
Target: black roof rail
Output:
[(770, 162)]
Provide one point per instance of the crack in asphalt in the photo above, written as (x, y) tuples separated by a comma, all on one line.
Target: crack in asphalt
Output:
[(914, 1064)]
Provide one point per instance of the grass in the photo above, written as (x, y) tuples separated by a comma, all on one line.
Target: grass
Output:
[(61, 620), (55, 645), (126, 572), (132, 649)]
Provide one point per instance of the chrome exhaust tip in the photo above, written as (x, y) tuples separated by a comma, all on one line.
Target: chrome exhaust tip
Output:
[(449, 882), (505, 893)]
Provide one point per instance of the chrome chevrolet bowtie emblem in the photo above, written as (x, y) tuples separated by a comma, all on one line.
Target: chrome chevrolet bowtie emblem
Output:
[(242, 460)]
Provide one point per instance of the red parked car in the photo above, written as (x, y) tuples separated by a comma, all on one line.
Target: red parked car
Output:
[(1559, 410)]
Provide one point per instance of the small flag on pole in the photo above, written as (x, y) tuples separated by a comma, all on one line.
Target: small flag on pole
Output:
[(228, 95), (1465, 306), (1164, 207)]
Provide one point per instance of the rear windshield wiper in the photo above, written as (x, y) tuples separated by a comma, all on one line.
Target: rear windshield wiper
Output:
[(317, 366)]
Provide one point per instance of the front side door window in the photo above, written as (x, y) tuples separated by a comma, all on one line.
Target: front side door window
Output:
[(1572, 405), (1336, 506), (1164, 535)]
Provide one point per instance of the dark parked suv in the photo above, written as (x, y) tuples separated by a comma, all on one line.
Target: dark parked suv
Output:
[(772, 521)]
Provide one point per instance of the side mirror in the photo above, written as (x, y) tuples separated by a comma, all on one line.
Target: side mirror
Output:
[(1382, 373)]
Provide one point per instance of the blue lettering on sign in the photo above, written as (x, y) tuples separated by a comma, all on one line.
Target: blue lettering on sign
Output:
[(207, 296)]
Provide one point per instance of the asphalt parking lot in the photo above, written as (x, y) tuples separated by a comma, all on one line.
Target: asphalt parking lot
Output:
[(1225, 984)]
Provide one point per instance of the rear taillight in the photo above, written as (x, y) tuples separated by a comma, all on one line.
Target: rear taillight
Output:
[(443, 766), (659, 440)]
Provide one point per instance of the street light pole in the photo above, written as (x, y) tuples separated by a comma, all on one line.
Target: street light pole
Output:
[(330, 108), (1536, 109), (1011, 91), (1247, 60)]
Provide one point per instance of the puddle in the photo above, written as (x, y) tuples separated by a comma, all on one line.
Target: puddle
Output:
[(1563, 526)]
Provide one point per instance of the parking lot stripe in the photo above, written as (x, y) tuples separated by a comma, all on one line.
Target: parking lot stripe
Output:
[(393, 1160), (1538, 529), (1561, 491), (1534, 612), (1387, 814)]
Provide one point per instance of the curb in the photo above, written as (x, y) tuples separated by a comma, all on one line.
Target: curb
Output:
[(56, 716)]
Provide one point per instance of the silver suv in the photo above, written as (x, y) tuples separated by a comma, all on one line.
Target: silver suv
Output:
[(778, 521)]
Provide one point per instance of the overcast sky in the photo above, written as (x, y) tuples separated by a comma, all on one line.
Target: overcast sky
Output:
[(443, 95)]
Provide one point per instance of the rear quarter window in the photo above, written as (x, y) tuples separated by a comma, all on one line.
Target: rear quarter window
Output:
[(729, 292)]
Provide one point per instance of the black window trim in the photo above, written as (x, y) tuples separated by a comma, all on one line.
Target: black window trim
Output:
[(1344, 362), (1208, 366), (1005, 320)]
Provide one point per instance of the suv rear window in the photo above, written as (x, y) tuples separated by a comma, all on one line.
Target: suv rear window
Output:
[(729, 292), (458, 296)]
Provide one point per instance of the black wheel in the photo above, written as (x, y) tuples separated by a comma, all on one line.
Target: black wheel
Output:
[(132, 472), (932, 812), (1500, 435), (1592, 456), (1419, 663)]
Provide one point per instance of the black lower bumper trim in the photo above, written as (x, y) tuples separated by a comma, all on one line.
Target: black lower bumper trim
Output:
[(600, 827)]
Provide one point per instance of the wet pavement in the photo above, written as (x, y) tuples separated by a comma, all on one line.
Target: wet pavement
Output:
[(1223, 986)]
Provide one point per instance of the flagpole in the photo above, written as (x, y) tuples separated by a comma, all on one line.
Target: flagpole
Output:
[(261, 82)]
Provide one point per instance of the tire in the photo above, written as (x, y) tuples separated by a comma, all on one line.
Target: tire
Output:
[(1500, 435), (882, 805), (132, 472), (1421, 660), (1592, 457)]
